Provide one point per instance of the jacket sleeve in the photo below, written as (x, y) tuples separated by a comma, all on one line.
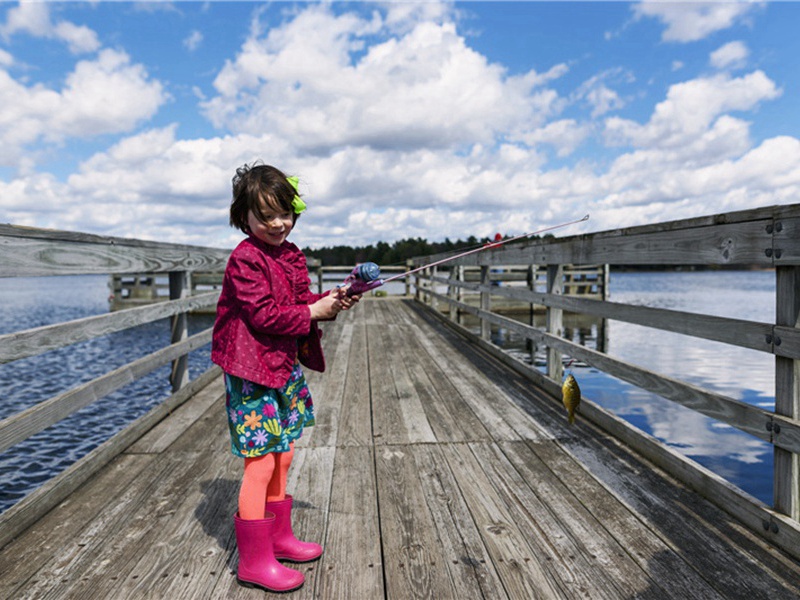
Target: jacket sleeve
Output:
[(304, 293), (259, 293)]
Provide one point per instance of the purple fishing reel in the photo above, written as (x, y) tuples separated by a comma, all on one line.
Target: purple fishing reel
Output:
[(363, 278)]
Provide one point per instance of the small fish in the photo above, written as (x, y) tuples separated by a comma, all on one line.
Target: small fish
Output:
[(571, 395)]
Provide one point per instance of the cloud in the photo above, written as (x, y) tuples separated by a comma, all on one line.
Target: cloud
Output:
[(730, 56), (565, 135), (193, 40), (692, 21), (690, 109), (423, 87), (33, 18), (600, 97), (104, 95), (397, 128)]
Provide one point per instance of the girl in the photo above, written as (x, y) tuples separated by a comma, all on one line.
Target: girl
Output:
[(266, 325)]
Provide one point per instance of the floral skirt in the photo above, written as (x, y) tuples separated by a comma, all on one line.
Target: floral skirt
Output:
[(262, 419)]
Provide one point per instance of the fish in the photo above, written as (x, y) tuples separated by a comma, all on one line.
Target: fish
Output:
[(571, 395)]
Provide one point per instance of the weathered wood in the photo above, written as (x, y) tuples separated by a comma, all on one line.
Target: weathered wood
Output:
[(22, 344), (416, 566), (518, 558), (736, 332), (352, 566), (24, 424), (550, 511), (751, 419), (787, 397), (555, 321), (30, 509), (775, 527), (471, 570), (31, 252), (179, 288)]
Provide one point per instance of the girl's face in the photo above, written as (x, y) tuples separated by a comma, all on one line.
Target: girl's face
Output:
[(272, 226)]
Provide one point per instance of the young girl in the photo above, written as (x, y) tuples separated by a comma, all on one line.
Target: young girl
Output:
[(266, 325)]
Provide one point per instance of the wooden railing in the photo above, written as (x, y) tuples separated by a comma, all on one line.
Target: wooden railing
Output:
[(37, 252), (139, 289), (766, 237)]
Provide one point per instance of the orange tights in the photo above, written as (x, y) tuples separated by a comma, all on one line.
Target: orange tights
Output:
[(264, 481)]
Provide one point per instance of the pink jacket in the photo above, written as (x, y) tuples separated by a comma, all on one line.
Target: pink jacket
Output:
[(263, 318)]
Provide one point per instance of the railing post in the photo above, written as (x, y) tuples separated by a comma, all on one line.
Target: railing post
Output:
[(434, 272), (486, 302), (531, 281), (452, 293), (179, 287), (602, 328), (409, 266), (786, 477), (555, 321)]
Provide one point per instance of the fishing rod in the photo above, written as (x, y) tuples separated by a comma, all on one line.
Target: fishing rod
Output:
[(367, 276)]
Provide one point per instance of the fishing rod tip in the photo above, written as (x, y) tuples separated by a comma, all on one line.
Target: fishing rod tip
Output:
[(585, 218)]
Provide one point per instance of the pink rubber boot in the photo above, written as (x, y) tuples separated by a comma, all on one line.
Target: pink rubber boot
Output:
[(286, 546), (257, 564)]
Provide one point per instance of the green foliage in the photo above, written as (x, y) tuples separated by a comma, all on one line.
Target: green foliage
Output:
[(385, 254)]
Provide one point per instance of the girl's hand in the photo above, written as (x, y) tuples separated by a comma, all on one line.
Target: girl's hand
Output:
[(348, 302), (326, 307)]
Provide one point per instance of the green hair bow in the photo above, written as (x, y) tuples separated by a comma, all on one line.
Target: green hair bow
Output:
[(297, 202)]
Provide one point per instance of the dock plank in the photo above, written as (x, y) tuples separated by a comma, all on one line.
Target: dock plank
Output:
[(433, 472)]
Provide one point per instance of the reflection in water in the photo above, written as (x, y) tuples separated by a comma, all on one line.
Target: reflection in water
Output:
[(739, 373)]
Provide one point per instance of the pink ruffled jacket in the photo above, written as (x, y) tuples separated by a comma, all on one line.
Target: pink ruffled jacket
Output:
[(263, 320)]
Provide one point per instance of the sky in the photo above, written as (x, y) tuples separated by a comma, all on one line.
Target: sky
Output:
[(401, 119)]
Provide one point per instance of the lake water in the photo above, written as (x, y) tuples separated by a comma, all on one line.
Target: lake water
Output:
[(743, 374), (739, 373)]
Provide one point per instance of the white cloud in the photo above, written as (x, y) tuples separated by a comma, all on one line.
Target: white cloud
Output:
[(105, 95), (564, 135), (396, 128), (692, 21), (33, 18), (730, 56), (423, 87), (690, 109), (193, 40)]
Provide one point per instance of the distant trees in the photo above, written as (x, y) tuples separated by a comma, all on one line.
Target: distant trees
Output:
[(391, 254), (386, 254)]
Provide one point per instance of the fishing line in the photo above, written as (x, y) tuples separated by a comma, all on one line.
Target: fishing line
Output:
[(366, 276)]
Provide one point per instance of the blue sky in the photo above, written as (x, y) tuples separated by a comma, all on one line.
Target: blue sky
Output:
[(402, 119)]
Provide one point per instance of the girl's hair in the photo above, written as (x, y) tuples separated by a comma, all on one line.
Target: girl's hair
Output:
[(256, 181)]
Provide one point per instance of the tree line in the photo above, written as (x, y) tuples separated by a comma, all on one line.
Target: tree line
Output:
[(386, 254), (397, 253)]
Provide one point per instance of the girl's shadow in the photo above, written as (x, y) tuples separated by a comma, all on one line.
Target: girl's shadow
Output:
[(215, 513)]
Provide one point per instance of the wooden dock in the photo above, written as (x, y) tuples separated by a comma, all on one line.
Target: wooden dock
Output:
[(433, 472)]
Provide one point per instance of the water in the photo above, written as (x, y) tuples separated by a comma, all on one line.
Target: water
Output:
[(739, 373), (33, 302), (743, 374)]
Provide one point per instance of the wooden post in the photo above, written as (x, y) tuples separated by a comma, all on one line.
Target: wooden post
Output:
[(179, 287), (555, 321), (452, 293), (786, 478), (434, 272), (602, 331), (529, 343), (486, 303), (460, 293)]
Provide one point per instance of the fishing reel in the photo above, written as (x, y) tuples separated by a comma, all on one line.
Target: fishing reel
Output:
[(363, 278)]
